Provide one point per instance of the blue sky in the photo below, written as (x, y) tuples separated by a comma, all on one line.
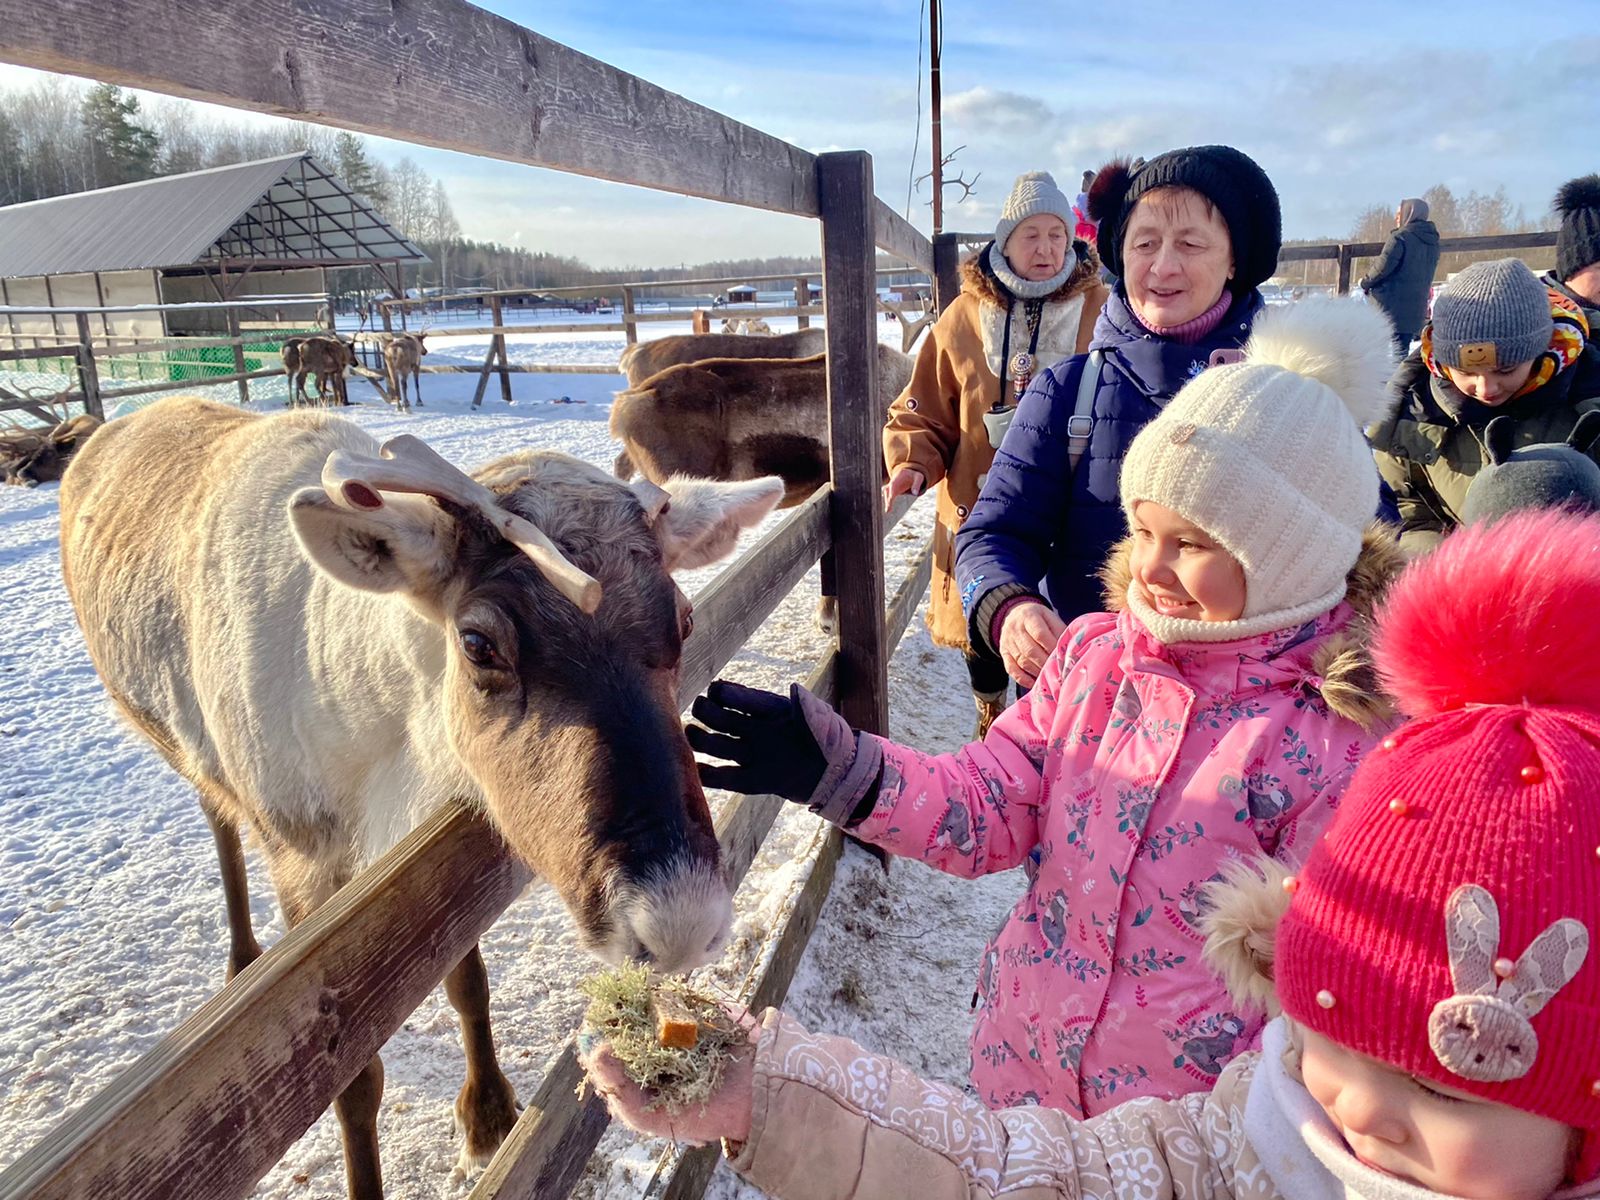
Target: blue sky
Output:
[(1344, 104)]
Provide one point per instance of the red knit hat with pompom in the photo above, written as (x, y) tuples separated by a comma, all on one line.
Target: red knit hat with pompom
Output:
[(1445, 924)]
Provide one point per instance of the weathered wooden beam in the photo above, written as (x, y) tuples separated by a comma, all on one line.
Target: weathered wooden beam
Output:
[(213, 1108), (906, 598), (855, 421), (946, 275), (894, 235), (443, 74), (88, 373)]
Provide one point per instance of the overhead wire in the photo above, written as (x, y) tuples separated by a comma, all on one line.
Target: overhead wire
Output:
[(916, 141)]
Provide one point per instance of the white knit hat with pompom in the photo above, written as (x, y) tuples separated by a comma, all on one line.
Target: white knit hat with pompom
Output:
[(1268, 457)]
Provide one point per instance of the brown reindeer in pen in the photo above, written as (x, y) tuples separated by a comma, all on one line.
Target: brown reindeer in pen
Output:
[(402, 358)]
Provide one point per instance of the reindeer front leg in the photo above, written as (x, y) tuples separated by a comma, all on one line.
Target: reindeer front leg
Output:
[(486, 1107)]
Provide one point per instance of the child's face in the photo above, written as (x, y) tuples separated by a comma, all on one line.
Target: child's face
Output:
[(1433, 1136), (1492, 387), (1180, 569)]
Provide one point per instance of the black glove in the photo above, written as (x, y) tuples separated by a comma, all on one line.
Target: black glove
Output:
[(764, 734)]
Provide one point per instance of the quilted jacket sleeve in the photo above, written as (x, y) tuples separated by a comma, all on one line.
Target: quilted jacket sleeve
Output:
[(1008, 539), (976, 811), (831, 1120)]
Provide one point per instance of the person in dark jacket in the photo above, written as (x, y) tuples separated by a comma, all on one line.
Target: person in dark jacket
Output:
[(1500, 344), (1577, 273), (1190, 236), (1401, 281)]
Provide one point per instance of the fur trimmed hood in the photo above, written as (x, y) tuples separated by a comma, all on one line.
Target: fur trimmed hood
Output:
[(1350, 683), (1059, 321), (981, 282)]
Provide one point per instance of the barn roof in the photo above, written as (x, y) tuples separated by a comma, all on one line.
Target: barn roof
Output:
[(288, 211)]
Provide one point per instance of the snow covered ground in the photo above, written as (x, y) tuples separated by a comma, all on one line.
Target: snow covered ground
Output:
[(111, 921)]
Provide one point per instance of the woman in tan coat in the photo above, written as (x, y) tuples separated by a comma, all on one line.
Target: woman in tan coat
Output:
[(1028, 300)]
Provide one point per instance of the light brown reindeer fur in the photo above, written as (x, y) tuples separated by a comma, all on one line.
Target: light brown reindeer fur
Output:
[(644, 359), (738, 419), (308, 667)]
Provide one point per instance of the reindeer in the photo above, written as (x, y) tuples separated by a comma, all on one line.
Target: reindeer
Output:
[(39, 454), (402, 356), (323, 356), (511, 638), (644, 359), (738, 418)]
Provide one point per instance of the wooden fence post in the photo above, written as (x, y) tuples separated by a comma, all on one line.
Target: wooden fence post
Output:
[(632, 332), (844, 195), (1345, 256), (946, 277), (699, 321), (802, 297), (88, 373), (500, 348), (238, 354)]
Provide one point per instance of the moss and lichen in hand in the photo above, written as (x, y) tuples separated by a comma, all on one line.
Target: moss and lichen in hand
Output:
[(626, 1006)]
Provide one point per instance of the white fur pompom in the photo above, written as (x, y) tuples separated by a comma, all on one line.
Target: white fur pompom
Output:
[(1346, 346)]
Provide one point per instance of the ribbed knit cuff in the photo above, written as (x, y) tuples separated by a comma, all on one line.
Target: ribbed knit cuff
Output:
[(854, 759), (981, 628)]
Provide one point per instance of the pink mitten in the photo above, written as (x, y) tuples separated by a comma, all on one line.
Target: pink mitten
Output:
[(725, 1115)]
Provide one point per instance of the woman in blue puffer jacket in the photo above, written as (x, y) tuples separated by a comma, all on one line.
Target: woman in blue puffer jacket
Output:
[(1190, 234)]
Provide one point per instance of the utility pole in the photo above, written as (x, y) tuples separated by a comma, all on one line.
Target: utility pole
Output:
[(933, 95)]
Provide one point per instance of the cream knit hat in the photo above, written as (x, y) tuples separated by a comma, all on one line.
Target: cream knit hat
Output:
[(1269, 458)]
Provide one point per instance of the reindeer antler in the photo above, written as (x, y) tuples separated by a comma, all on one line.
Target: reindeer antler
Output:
[(411, 465)]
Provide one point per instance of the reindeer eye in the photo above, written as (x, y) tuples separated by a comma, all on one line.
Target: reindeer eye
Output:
[(480, 650)]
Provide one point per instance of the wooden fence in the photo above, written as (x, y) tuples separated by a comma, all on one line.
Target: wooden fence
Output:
[(215, 1105), (1345, 253)]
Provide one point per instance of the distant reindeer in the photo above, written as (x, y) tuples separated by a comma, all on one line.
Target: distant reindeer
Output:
[(324, 356), (402, 357)]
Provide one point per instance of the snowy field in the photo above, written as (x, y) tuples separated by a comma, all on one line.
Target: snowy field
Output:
[(111, 922)]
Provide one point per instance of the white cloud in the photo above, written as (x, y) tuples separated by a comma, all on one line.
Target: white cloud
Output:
[(988, 111)]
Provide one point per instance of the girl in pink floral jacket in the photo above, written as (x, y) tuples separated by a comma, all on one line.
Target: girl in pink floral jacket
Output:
[(1217, 713)]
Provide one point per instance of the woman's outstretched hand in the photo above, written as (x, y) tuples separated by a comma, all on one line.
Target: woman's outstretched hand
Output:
[(764, 735), (725, 1115)]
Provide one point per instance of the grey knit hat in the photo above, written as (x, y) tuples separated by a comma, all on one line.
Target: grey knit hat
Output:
[(1493, 314), (1033, 193)]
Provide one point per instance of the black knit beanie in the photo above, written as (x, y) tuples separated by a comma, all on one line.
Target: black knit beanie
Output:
[(1578, 243), (1229, 179)]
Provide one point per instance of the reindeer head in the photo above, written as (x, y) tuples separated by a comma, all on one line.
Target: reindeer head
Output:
[(1483, 1032), (560, 633)]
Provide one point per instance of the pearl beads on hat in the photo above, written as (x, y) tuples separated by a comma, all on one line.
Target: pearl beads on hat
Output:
[(1399, 807), (1532, 774), (1291, 884), (1326, 998), (1504, 968)]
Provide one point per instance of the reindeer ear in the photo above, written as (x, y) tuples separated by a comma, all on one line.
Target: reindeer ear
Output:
[(405, 544), (1241, 926), (702, 522)]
